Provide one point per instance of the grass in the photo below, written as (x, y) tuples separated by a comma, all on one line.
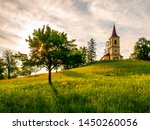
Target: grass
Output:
[(106, 86)]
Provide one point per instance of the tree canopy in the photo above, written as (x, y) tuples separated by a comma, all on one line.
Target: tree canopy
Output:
[(77, 57), (10, 63), (141, 49), (25, 65), (49, 48), (1, 68)]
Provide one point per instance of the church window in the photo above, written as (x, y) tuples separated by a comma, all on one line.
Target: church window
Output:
[(115, 42)]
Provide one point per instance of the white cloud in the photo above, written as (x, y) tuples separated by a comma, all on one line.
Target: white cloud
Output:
[(80, 19)]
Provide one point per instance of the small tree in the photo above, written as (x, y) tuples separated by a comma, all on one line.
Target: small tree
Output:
[(10, 63), (141, 49), (84, 54), (76, 58), (49, 48), (26, 65), (91, 51), (1, 68)]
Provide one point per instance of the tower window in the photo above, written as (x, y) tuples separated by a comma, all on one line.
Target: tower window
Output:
[(115, 42)]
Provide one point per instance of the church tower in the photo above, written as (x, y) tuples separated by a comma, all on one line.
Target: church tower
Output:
[(113, 47)]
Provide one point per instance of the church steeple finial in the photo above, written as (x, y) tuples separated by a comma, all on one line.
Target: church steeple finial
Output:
[(114, 31)]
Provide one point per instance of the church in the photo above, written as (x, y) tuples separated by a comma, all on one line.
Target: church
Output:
[(112, 51)]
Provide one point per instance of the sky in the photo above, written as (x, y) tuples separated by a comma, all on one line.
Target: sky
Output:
[(80, 19)]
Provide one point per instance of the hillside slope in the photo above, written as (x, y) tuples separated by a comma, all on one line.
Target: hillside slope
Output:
[(106, 86)]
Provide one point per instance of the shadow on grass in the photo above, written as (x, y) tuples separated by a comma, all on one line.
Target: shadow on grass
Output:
[(52, 99), (74, 102), (71, 102)]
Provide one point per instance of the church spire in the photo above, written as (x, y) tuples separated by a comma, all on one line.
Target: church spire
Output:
[(114, 32)]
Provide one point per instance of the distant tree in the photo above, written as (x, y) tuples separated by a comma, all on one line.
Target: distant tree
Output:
[(83, 50), (76, 58), (10, 63), (1, 68), (49, 48), (141, 49), (26, 66), (91, 51), (21, 60)]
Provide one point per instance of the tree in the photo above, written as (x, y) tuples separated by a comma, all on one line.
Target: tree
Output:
[(26, 66), (84, 54), (77, 58), (1, 68), (10, 63), (49, 48), (141, 49), (91, 51)]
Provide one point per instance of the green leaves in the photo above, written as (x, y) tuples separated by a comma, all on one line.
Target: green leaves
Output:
[(10, 63), (1, 68), (49, 47), (141, 49), (91, 51)]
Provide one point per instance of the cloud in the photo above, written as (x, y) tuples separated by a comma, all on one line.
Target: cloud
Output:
[(81, 6), (80, 19)]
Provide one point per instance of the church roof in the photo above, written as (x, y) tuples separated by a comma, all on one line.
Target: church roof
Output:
[(114, 33), (108, 54)]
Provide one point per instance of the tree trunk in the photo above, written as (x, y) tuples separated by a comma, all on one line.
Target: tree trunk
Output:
[(49, 71), (8, 73), (49, 76)]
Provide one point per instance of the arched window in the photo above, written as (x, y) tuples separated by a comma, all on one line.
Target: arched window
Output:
[(115, 42)]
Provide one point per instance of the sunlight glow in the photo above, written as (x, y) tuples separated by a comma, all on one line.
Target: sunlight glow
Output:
[(28, 30), (24, 33)]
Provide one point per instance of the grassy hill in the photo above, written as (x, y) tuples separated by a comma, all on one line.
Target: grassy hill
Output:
[(106, 86)]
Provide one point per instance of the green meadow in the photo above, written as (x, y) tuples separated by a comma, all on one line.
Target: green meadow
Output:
[(104, 86)]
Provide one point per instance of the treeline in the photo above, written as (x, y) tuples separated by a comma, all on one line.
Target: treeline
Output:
[(13, 65), (51, 55), (52, 49)]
